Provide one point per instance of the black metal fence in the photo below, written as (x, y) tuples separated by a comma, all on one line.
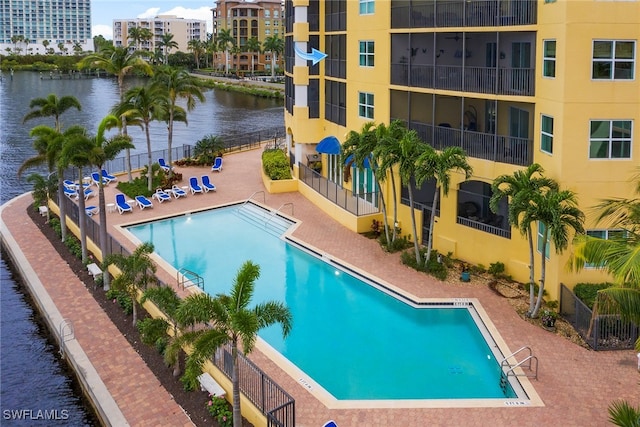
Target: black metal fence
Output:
[(357, 204), (602, 332), (275, 403)]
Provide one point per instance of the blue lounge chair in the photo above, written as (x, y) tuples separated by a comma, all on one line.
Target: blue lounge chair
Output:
[(70, 184), (87, 193), (70, 192), (207, 185), (330, 424), (95, 179), (161, 196), (165, 167), (143, 202), (217, 164), (194, 186), (106, 175), (122, 204), (91, 210), (178, 192)]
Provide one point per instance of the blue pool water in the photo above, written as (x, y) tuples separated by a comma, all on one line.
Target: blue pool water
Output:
[(354, 340)]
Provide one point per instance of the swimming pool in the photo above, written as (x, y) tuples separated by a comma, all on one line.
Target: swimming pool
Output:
[(350, 336)]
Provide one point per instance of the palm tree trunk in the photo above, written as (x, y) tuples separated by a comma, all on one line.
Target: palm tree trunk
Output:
[(432, 222), (63, 214), (543, 265), (235, 381), (413, 224), (170, 139), (128, 150), (134, 303), (395, 205), (383, 204), (82, 218), (226, 61), (273, 65), (103, 234), (532, 277), (149, 172)]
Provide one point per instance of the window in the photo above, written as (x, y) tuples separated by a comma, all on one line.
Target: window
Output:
[(549, 58), (546, 137), (335, 102), (367, 7), (267, 23), (365, 105), (366, 53), (606, 235), (267, 13), (613, 59), (541, 243), (610, 139)]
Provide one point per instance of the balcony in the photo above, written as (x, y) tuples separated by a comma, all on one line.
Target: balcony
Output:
[(499, 81)]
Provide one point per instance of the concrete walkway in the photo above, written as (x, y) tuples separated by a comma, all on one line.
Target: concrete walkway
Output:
[(575, 384)]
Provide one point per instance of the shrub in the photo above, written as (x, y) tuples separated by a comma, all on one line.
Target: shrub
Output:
[(55, 224), (587, 292), (161, 344), (431, 266), (151, 330), (122, 299), (208, 148), (276, 164), (496, 268), (74, 246), (399, 244), (219, 408)]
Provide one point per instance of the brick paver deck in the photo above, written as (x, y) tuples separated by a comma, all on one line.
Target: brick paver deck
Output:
[(575, 384)]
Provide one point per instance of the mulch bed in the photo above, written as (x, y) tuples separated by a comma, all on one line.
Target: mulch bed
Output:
[(194, 403)]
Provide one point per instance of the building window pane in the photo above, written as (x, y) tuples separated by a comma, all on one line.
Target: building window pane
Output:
[(610, 139), (367, 7), (365, 105), (366, 53), (613, 60), (549, 59), (546, 138)]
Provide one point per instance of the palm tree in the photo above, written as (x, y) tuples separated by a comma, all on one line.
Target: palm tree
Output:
[(136, 272), (43, 187), (255, 47), (436, 165), (618, 256), (519, 189), (146, 103), (212, 47), (168, 301), (225, 42), (411, 149), (177, 84), (102, 150), (167, 43), (558, 213), (275, 45), (46, 44), (232, 321), (197, 47), (50, 145), (119, 62), (623, 414)]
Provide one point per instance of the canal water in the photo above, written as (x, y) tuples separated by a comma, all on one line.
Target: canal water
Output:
[(36, 388)]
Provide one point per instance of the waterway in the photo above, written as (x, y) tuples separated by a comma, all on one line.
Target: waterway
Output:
[(34, 381)]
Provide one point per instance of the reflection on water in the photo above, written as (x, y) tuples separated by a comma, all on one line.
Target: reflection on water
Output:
[(32, 377)]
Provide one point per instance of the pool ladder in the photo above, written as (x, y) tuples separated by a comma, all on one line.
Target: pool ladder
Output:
[(530, 362), (186, 278), (275, 213)]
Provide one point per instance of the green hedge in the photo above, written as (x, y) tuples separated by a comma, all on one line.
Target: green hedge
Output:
[(276, 164), (587, 292)]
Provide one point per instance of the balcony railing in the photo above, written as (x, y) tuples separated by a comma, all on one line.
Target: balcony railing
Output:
[(500, 81), (463, 13), (497, 148)]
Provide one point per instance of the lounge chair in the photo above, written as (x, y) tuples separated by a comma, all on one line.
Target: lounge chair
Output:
[(70, 192), (95, 179), (87, 193), (207, 185), (161, 196), (106, 175), (178, 192), (165, 167), (217, 165), (330, 423), (121, 204), (70, 184), (91, 210), (143, 202), (194, 186)]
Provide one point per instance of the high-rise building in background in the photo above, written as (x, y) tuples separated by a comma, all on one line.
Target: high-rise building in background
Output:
[(45, 26), (248, 20), (511, 82), (183, 31)]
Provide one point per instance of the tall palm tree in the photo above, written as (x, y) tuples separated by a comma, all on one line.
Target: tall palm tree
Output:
[(177, 84), (119, 62), (136, 272), (254, 47), (519, 189), (50, 145), (411, 149), (147, 103), (230, 320), (623, 414), (225, 43), (439, 166), (134, 37), (102, 150), (212, 48), (197, 47), (558, 213), (275, 45), (167, 43), (618, 256)]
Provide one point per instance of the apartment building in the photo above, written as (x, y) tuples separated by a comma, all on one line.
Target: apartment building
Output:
[(183, 30), (245, 20), (512, 82), (42, 26)]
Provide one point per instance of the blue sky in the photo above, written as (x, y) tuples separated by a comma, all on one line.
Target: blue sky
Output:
[(103, 12)]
